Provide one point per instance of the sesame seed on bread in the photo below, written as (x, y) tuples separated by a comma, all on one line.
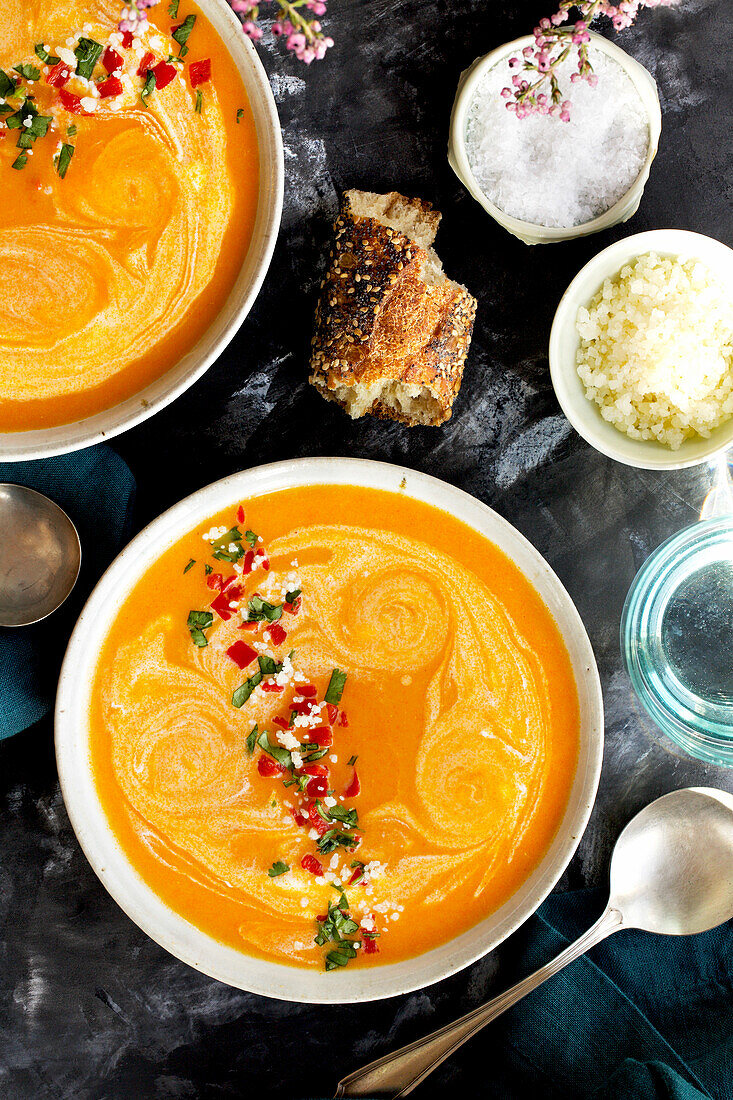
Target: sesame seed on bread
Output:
[(392, 331)]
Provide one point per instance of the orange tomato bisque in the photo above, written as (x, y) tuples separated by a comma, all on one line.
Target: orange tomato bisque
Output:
[(130, 171), (334, 726)]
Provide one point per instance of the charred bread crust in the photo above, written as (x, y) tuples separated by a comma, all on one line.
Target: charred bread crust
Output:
[(378, 320)]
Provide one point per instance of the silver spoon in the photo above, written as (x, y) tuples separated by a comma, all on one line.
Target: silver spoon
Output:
[(40, 555), (671, 872)]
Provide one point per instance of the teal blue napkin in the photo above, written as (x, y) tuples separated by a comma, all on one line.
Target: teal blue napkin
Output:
[(641, 1017), (96, 488)]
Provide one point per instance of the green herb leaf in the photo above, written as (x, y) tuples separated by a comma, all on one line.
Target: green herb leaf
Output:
[(181, 33), (243, 692), (268, 667), (251, 538), (353, 760), (252, 739), (278, 868), (335, 688), (148, 87), (291, 597), (240, 114), (7, 85), (199, 101), (208, 569), (333, 839), (346, 817), (221, 546), (197, 623), (64, 159), (258, 610), (47, 58), (28, 72), (191, 563), (71, 130), (20, 162), (173, 9), (87, 53)]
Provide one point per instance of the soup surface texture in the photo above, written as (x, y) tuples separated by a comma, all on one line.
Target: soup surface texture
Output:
[(368, 737), (128, 216)]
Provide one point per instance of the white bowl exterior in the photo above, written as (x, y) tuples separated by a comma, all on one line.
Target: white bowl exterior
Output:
[(43, 442), (108, 859), (621, 211), (584, 414)]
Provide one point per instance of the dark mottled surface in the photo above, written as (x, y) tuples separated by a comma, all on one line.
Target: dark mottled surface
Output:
[(89, 1007)]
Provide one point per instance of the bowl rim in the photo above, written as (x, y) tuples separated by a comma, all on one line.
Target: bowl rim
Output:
[(171, 930), (18, 446), (644, 454), (531, 232)]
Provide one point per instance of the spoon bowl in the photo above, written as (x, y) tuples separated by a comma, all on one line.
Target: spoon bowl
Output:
[(40, 555), (672, 867)]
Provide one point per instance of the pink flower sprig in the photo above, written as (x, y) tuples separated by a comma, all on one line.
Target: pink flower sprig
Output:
[(303, 34), (554, 39)]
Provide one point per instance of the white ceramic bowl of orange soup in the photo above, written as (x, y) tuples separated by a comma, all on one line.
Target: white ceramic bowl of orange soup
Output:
[(139, 219), (329, 730)]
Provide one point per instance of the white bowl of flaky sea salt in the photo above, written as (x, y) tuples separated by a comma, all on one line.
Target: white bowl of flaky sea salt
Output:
[(641, 350), (546, 180)]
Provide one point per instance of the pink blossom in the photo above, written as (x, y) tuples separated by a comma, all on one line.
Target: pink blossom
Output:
[(252, 30)]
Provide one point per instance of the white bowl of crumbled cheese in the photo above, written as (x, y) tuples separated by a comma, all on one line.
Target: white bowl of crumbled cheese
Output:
[(641, 350), (545, 180)]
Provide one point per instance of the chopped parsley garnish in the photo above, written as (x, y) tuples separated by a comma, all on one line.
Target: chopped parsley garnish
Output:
[(291, 597), (334, 929), (335, 688), (64, 160), (7, 85), (333, 839), (191, 563), (199, 101), (277, 752), (268, 666), (197, 623), (208, 569), (173, 9), (251, 538), (148, 87), (222, 546), (71, 130), (28, 72), (240, 114), (20, 161), (278, 868), (252, 739), (352, 761), (346, 817), (42, 53), (87, 53), (181, 33), (258, 610), (243, 692)]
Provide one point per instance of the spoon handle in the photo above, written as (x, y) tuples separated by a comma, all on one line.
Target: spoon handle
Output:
[(399, 1073)]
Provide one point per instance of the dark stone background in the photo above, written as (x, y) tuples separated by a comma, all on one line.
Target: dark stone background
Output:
[(89, 1007)]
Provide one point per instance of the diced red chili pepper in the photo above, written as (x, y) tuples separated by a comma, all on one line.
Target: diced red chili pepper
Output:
[(200, 73), (316, 820), (127, 37), (317, 787), (293, 607), (343, 720), (304, 706), (164, 74), (354, 787), (215, 581), (248, 562), (314, 769), (109, 87), (281, 722), (221, 605), (277, 634), (310, 863), (71, 102), (112, 60), (309, 690), (355, 842), (145, 62), (241, 653), (254, 625), (322, 736), (370, 946), (323, 916), (301, 819), (267, 767), (357, 876), (240, 509), (265, 563), (270, 685), (58, 75), (333, 712)]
